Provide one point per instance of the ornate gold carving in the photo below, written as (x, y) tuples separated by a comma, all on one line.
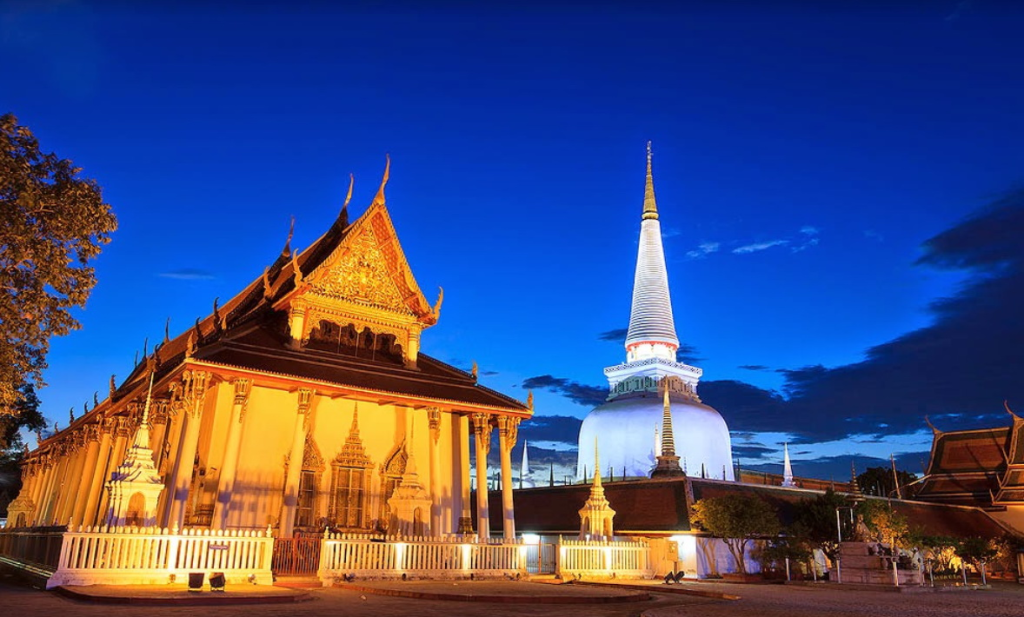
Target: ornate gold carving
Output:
[(508, 427), (434, 417), (362, 275), (242, 395), (482, 427), (312, 460), (305, 401), (188, 394), (160, 411)]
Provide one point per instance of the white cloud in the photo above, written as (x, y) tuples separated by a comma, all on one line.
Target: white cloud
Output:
[(703, 250), (809, 230), (759, 246), (805, 245)]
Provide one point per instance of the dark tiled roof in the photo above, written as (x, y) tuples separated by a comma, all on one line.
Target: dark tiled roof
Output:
[(661, 506), (262, 348), (644, 505)]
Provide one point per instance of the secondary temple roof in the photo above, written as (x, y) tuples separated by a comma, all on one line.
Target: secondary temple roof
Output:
[(645, 506)]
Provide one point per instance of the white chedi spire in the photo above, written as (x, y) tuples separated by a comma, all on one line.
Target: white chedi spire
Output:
[(787, 468), (652, 330), (524, 468)]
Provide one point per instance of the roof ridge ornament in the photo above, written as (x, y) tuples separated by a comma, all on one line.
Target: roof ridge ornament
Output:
[(287, 250), (378, 200), (343, 214), (936, 431), (1006, 405)]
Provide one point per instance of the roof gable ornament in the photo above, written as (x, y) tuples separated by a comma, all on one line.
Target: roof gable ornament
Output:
[(343, 214), (378, 199)]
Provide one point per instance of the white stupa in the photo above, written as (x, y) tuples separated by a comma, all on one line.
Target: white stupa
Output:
[(623, 425)]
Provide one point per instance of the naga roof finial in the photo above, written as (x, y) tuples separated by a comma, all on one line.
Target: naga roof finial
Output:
[(287, 250), (379, 198), (296, 270), (167, 331), (437, 305), (932, 426), (343, 215), (1006, 405)]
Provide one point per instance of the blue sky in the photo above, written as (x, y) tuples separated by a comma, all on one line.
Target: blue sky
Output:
[(803, 157)]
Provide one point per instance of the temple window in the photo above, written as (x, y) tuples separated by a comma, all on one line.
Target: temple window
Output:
[(305, 515), (349, 495)]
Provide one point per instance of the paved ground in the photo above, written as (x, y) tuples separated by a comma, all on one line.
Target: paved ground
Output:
[(1005, 599)]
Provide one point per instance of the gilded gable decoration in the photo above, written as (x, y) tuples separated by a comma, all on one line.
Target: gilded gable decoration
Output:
[(312, 460)]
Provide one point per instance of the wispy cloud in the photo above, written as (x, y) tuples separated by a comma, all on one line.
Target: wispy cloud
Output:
[(806, 245), (618, 335), (188, 274), (753, 367), (703, 250), (758, 246), (871, 234), (809, 230)]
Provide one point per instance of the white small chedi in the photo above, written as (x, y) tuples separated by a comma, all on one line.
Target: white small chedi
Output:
[(624, 427)]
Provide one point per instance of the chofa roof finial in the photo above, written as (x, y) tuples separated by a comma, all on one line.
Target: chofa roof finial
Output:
[(1006, 405), (343, 215), (378, 200)]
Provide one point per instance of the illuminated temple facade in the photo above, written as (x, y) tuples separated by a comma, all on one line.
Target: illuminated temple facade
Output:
[(303, 403), (625, 427)]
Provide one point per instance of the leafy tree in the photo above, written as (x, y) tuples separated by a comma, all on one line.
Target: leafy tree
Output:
[(974, 550), (816, 521), (12, 447), (52, 223), (938, 549), (885, 524), (878, 481), (793, 546), (737, 520)]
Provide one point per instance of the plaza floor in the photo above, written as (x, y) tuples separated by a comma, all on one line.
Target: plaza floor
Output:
[(1003, 599)]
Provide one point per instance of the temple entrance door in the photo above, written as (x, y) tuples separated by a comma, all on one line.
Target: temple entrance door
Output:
[(297, 556)]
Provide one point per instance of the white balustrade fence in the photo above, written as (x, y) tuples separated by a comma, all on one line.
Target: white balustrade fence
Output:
[(439, 557), (133, 555), (622, 559)]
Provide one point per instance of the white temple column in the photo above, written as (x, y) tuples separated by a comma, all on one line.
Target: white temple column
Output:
[(226, 486), (53, 494), (508, 433), (460, 474), (67, 492), (290, 503), (51, 467), (482, 429), (92, 439), (188, 397), (160, 422), (96, 478), (121, 434), (434, 418)]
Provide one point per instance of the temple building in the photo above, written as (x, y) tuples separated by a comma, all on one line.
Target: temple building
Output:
[(303, 403), (980, 467), (625, 427)]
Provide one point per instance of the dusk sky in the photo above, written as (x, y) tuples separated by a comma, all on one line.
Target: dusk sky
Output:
[(840, 190)]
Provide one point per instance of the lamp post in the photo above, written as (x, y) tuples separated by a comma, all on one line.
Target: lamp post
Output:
[(839, 548), (839, 535)]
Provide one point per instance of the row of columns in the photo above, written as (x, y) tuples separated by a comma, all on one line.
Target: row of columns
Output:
[(62, 490), (508, 431)]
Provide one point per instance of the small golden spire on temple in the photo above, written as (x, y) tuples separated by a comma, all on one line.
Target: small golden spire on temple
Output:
[(379, 199), (475, 371), (529, 400)]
